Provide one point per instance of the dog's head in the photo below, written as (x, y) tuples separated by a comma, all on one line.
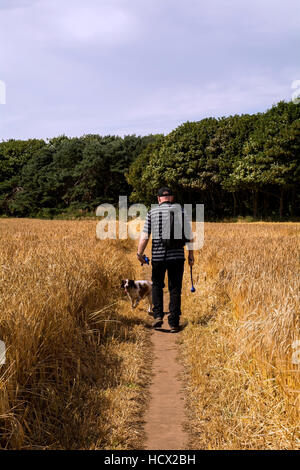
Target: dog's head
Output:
[(127, 284)]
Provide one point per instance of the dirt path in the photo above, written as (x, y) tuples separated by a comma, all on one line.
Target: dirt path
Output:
[(165, 415)]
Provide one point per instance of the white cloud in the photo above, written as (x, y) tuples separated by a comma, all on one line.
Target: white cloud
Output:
[(142, 65), (55, 23), (212, 98), (11, 4), (90, 21)]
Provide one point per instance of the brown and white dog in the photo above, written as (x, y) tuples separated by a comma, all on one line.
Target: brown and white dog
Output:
[(138, 290)]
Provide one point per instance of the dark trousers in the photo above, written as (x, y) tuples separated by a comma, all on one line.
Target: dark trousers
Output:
[(175, 270)]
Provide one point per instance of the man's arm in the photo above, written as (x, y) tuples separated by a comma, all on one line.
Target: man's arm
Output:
[(144, 238), (189, 234), (143, 242), (191, 258)]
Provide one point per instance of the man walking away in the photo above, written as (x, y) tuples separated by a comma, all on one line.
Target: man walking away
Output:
[(167, 254)]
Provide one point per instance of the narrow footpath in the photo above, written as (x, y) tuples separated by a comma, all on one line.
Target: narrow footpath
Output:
[(165, 415)]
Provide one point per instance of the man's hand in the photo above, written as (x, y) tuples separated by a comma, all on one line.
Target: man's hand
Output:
[(191, 258), (140, 257)]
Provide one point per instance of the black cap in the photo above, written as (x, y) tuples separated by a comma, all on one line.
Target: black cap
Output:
[(164, 192)]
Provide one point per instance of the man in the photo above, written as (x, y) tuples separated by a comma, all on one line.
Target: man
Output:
[(164, 258)]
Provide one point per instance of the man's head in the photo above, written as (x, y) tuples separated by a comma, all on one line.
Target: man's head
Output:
[(165, 194)]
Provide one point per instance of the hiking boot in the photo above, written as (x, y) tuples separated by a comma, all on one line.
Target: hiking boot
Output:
[(174, 329), (157, 322)]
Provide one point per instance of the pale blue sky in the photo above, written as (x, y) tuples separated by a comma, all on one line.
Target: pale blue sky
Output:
[(141, 66)]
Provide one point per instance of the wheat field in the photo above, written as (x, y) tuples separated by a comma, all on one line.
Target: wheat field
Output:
[(79, 359), (242, 386), (75, 358)]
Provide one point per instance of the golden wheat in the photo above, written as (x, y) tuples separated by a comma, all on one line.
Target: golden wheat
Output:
[(243, 388), (68, 381), (78, 357)]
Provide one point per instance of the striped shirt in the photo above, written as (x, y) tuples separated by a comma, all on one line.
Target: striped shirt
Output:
[(158, 223)]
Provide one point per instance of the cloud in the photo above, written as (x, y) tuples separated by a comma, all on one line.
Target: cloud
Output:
[(107, 23), (142, 66), (11, 4)]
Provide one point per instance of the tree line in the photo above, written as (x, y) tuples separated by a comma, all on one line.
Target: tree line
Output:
[(44, 179), (237, 166)]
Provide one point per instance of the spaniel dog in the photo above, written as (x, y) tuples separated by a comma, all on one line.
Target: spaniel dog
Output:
[(138, 290)]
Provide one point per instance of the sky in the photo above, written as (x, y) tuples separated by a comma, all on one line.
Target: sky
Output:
[(141, 66)]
